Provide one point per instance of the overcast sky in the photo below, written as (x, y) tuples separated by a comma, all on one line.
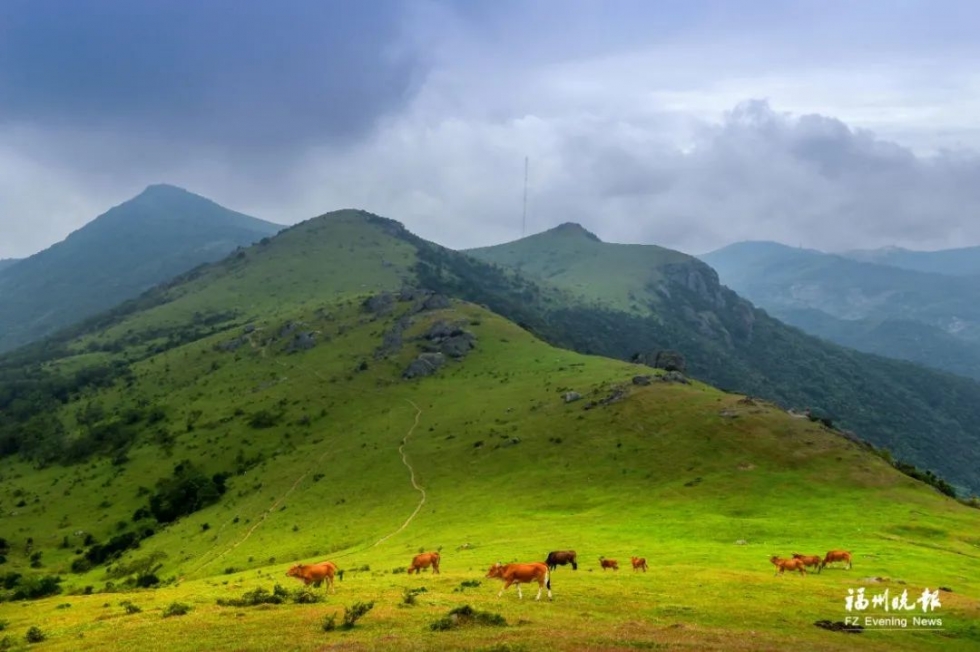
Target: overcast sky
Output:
[(686, 123)]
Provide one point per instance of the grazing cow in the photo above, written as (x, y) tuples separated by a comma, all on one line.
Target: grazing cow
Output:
[(788, 565), (522, 573), (560, 558), (638, 563), (608, 563), (425, 560), (314, 574), (836, 555), (808, 560)]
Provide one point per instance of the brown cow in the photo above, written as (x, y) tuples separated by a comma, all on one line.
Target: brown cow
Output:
[(638, 563), (608, 563), (836, 555), (526, 573), (314, 573), (788, 564), (425, 560), (560, 558), (808, 560)]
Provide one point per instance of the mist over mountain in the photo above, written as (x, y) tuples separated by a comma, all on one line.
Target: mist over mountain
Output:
[(151, 238), (963, 261)]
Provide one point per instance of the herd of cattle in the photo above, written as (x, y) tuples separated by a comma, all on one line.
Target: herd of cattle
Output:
[(518, 574), (802, 562)]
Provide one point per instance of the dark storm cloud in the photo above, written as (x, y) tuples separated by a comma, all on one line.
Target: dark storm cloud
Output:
[(241, 73)]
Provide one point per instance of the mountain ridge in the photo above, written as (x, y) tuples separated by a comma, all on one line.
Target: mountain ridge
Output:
[(146, 240)]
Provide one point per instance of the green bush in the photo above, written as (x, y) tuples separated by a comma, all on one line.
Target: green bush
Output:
[(176, 609), (35, 635)]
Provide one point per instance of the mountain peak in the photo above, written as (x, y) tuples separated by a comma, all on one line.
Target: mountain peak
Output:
[(574, 230)]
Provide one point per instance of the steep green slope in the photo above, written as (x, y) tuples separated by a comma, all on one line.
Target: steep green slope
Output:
[(160, 233), (674, 472), (926, 417), (964, 261)]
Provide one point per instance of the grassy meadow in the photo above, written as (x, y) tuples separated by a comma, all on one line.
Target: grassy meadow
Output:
[(673, 472)]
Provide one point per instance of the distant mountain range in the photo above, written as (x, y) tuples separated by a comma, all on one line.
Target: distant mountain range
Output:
[(149, 239), (889, 309), (953, 262)]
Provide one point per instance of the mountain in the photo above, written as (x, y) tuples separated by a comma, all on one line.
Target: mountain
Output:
[(7, 262), (681, 305), (953, 262), (149, 239), (258, 411), (927, 318)]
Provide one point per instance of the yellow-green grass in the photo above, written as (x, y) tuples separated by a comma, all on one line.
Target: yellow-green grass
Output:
[(622, 481)]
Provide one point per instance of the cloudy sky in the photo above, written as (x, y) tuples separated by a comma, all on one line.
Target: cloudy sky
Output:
[(687, 123)]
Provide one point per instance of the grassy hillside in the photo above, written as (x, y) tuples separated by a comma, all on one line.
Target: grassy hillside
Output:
[(310, 439), (132, 247), (925, 417)]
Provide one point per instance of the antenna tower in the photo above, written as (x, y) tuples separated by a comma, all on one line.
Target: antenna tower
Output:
[(524, 216)]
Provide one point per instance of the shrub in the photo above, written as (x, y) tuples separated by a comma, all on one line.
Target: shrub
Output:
[(35, 635), (351, 615), (467, 615), (130, 607), (410, 595), (176, 609), (35, 586)]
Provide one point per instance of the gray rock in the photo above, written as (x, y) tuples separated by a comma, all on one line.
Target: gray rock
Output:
[(379, 304), (302, 342), (642, 380), (571, 396), (436, 302), (675, 377), (424, 365)]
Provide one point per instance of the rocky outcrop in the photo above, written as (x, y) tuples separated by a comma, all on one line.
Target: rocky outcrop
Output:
[(424, 365)]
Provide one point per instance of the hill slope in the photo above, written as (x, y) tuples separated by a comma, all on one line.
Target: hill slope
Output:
[(147, 240), (731, 344), (311, 439), (7, 262), (927, 318)]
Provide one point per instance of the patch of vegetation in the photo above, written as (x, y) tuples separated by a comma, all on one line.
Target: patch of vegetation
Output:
[(410, 596), (351, 615), (467, 615), (185, 492), (176, 609), (35, 635), (130, 607)]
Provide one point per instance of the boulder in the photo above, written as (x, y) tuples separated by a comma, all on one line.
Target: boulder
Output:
[(569, 397), (379, 304), (642, 380), (424, 365)]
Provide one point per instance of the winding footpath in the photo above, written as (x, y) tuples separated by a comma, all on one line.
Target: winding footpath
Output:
[(279, 501)]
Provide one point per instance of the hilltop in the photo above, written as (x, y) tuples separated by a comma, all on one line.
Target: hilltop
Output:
[(149, 239), (275, 383), (928, 318)]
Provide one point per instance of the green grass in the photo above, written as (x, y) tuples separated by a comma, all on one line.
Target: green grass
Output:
[(619, 483)]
